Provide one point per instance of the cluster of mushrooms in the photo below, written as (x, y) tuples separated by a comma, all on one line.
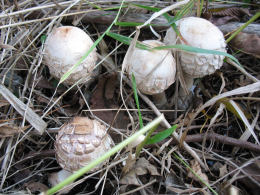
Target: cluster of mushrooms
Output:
[(82, 140)]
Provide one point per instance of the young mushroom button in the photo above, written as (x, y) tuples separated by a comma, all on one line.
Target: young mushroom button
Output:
[(154, 71), (77, 144), (200, 33), (64, 47)]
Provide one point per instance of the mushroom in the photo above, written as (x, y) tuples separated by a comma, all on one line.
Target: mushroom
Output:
[(154, 71), (201, 33), (78, 143), (64, 47)]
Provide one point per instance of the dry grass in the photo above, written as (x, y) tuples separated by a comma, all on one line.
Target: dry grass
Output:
[(27, 158)]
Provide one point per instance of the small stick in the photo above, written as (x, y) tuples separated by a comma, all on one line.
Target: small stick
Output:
[(223, 139)]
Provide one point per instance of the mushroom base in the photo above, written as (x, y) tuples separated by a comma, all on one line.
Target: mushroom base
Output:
[(160, 100), (185, 96)]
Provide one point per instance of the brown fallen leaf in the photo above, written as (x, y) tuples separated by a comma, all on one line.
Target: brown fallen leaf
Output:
[(197, 169), (252, 170), (234, 11), (223, 16), (35, 187), (10, 130), (4, 102), (104, 98), (223, 170), (141, 167), (247, 43)]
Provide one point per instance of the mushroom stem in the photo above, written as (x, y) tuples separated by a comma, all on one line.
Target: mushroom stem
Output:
[(184, 98), (188, 84), (160, 99), (56, 178)]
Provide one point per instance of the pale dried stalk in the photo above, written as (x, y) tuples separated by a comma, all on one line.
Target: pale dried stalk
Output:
[(34, 119), (251, 88)]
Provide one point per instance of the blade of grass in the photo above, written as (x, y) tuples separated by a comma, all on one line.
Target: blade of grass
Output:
[(67, 74), (187, 48), (161, 135), (198, 50), (128, 23), (115, 149), (137, 101), (141, 145), (194, 173), (127, 40)]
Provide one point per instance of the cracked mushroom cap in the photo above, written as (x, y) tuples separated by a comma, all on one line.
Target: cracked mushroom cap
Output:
[(154, 71), (201, 33), (81, 141), (64, 47)]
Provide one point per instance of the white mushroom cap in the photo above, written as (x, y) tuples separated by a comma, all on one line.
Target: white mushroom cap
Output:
[(63, 48), (201, 33), (81, 141), (154, 70)]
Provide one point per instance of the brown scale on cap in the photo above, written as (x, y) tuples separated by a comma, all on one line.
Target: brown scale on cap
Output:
[(81, 141)]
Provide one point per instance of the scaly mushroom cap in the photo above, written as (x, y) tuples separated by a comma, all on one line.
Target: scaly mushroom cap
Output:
[(81, 141), (154, 71), (201, 33), (64, 47)]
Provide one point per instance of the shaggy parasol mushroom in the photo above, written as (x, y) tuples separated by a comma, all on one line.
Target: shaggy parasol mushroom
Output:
[(154, 71), (64, 47), (200, 33), (78, 143)]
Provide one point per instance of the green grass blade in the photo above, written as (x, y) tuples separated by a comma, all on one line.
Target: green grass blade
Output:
[(194, 173), (187, 48), (67, 74), (198, 50), (141, 145), (123, 24), (184, 11), (161, 135), (43, 39), (154, 9), (137, 101), (112, 151), (127, 40)]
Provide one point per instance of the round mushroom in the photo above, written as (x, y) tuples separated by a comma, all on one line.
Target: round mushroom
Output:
[(201, 33), (64, 47), (78, 143), (154, 71)]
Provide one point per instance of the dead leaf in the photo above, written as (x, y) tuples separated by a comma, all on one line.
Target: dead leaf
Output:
[(110, 87), (141, 167), (247, 43), (223, 170), (195, 166), (252, 170), (4, 102), (130, 179), (35, 187), (222, 20), (103, 98), (223, 16), (234, 11), (175, 184), (10, 130), (129, 163)]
